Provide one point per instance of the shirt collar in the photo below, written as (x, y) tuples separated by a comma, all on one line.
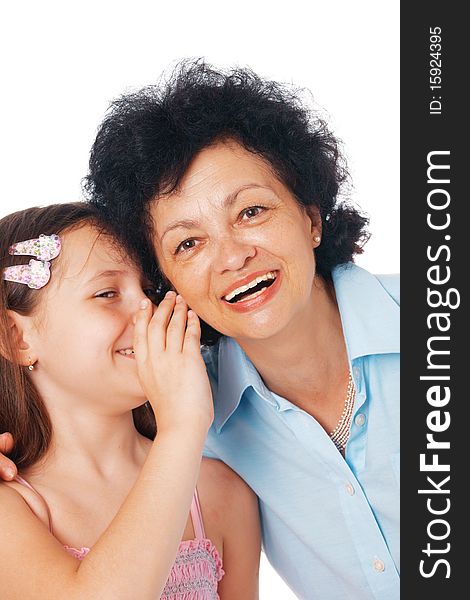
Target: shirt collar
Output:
[(235, 374), (369, 314), (370, 318)]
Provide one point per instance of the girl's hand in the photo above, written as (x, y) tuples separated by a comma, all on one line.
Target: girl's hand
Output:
[(170, 365), (7, 467)]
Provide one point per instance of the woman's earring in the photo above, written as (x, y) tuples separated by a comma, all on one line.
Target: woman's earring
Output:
[(317, 239), (31, 366)]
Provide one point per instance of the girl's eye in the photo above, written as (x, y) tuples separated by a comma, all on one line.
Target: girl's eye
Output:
[(186, 245), (251, 212), (107, 294)]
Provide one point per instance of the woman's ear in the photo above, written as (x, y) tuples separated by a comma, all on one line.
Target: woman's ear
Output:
[(20, 348), (316, 224)]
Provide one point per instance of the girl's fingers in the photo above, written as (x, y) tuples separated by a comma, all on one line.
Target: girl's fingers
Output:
[(192, 337), (159, 322), (177, 326), (7, 467), (6, 442), (142, 320)]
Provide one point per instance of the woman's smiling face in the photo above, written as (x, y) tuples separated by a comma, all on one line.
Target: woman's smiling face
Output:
[(236, 244)]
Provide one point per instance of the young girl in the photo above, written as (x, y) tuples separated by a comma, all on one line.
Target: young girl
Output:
[(101, 504)]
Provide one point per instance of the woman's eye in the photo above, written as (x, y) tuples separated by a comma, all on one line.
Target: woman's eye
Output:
[(186, 245), (107, 294), (251, 212)]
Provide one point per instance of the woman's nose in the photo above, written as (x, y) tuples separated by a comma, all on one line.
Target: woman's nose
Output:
[(232, 254)]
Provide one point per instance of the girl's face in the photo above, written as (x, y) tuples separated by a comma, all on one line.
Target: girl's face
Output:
[(235, 243), (83, 329)]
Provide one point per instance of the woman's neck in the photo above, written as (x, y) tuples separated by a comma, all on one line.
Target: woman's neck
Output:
[(303, 361)]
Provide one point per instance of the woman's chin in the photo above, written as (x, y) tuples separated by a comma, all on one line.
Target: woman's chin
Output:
[(262, 328)]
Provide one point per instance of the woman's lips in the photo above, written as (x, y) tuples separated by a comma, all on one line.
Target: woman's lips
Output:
[(267, 293), (247, 282)]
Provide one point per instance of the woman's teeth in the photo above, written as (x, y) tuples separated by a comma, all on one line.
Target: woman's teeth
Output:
[(270, 276), (126, 352), (250, 296)]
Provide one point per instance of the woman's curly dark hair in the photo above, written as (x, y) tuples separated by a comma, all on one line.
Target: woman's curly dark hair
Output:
[(148, 138)]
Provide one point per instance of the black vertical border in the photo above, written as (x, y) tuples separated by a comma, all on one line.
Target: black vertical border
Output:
[(421, 133)]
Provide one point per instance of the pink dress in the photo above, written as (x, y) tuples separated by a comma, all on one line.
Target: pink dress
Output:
[(196, 570)]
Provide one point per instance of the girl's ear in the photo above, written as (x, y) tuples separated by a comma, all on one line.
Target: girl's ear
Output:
[(20, 349)]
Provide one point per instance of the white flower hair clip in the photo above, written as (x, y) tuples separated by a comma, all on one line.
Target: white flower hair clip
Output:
[(36, 273)]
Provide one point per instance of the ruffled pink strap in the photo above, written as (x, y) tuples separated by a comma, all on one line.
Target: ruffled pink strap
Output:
[(196, 517), (22, 481)]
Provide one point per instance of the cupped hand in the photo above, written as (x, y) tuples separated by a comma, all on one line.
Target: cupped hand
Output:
[(170, 366), (8, 468)]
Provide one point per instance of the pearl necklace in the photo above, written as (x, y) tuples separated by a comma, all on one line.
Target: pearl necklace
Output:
[(340, 434)]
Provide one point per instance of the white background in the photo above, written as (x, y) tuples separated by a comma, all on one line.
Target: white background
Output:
[(63, 62)]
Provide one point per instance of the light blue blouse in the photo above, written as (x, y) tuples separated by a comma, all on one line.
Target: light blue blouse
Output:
[(330, 526)]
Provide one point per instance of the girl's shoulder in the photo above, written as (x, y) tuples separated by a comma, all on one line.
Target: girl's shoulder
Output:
[(221, 483), (231, 516), (13, 493), (224, 496)]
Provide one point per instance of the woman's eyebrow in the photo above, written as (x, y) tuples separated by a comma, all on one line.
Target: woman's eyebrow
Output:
[(227, 202), (184, 223), (230, 199)]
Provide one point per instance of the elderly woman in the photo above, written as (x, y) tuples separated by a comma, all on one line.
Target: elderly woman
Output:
[(231, 184)]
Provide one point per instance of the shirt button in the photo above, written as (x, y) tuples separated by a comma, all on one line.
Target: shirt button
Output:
[(379, 565), (357, 373), (360, 419), (350, 489)]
